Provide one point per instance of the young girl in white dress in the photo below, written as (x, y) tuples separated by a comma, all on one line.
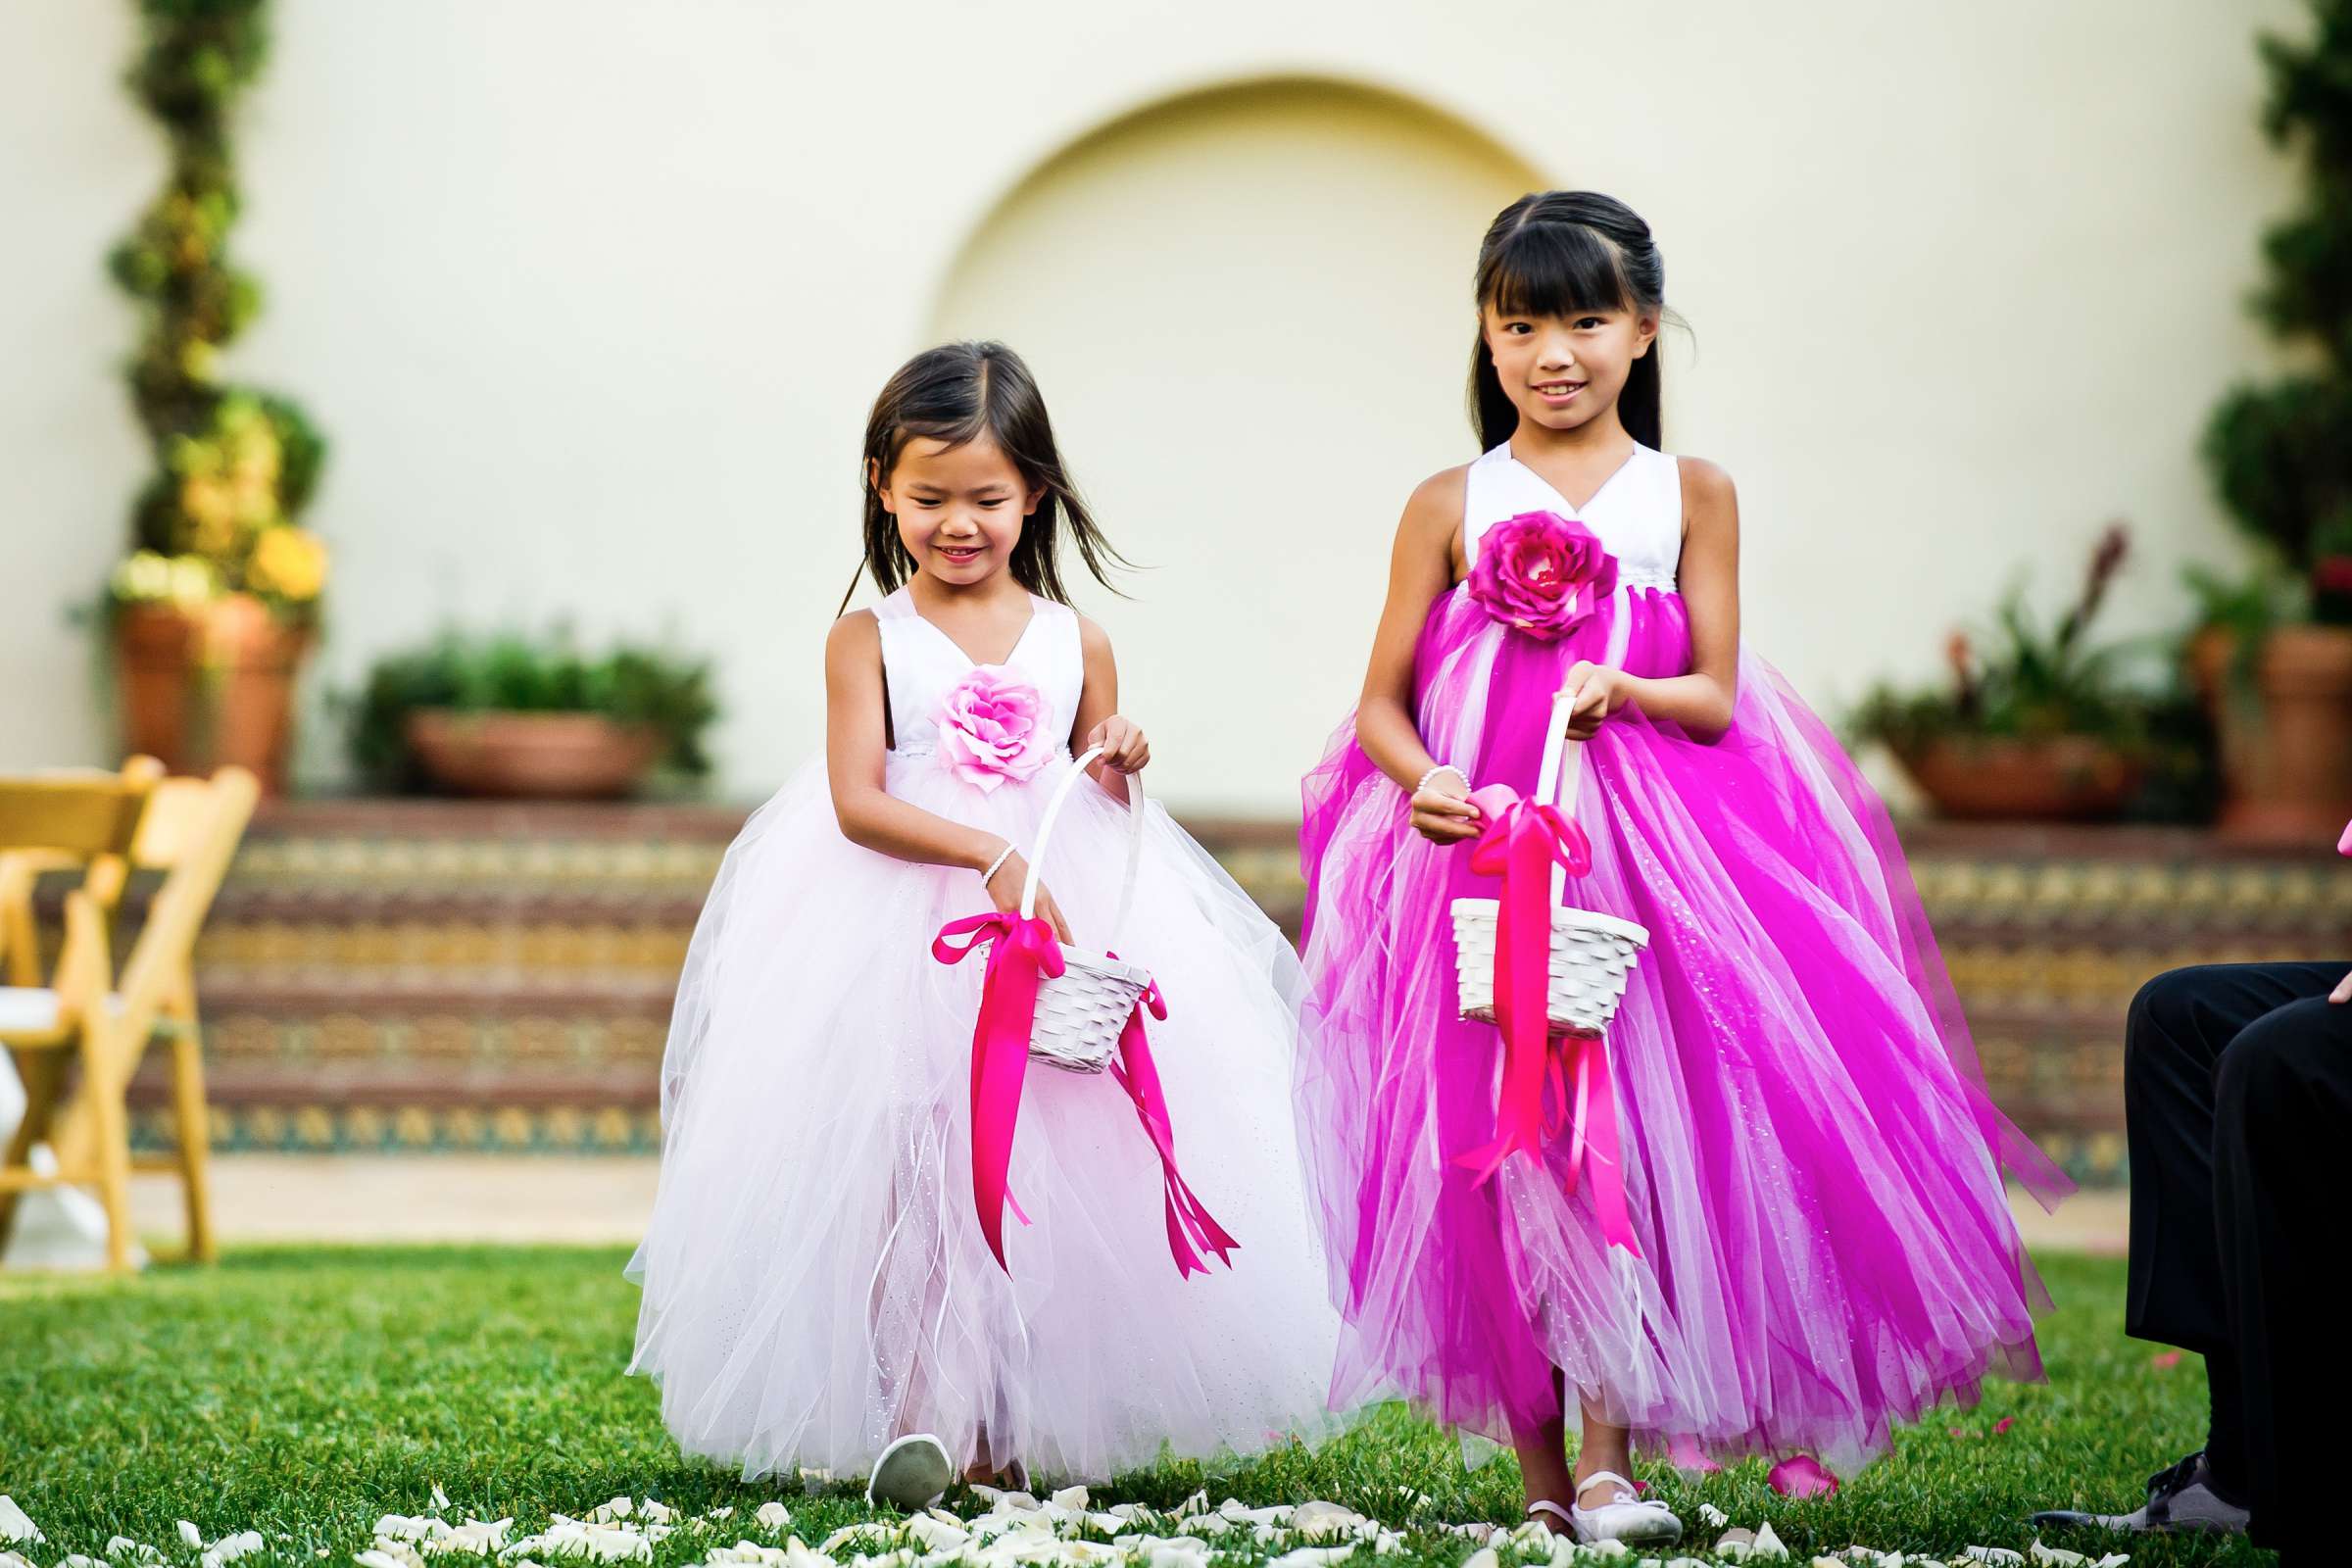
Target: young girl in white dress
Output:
[(821, 1289)]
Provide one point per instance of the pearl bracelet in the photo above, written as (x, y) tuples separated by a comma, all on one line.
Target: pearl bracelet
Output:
[(995, 865), (1442, 767)]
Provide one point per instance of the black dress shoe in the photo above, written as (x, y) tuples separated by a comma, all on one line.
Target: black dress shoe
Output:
[(2180, 1498)]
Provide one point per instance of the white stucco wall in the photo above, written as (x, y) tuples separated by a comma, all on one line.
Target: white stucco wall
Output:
[(592, 296)]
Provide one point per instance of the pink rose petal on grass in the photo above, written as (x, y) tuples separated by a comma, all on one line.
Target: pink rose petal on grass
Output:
[(1802, 1476), (1685, 1455), (2165, 1360), (2003, 1424)]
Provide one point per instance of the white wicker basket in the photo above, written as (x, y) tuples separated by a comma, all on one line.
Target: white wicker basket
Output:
[(1082, 1011), (1591, 954)]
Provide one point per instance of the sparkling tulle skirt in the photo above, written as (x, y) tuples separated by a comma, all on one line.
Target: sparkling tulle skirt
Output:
[(1813, 1164), (815, 1280)]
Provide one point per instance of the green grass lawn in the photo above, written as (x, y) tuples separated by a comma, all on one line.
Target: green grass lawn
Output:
[(305, 1392)]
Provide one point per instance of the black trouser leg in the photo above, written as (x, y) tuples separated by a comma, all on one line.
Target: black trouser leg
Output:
[(2181, 1025), (2282, 1129)]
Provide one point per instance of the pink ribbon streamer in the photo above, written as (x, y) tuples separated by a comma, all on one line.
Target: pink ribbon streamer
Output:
[(1520, 843), (1191, 1229), (1022, 954)]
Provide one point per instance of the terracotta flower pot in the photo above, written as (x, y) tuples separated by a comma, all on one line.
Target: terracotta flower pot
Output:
[(2009, 778), (2285, 735), (533, 756), (210, 686)]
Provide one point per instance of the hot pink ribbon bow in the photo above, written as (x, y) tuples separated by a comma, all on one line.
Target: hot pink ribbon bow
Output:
[(1021, 954), (1191, 1229), (1520, 842)]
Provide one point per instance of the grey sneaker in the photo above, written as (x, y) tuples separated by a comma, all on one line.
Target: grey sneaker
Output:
[(911, 1474), (2180, 1498)]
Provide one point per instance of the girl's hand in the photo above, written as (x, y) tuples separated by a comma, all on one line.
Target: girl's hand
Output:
[(1599, 692), (1004, 892), (1124, 749), (1441, 809)]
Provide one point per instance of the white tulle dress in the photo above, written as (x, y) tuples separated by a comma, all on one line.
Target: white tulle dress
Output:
[(815, 1281)]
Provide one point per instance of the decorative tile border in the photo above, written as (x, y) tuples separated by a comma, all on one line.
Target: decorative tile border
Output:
[(313, 1128)]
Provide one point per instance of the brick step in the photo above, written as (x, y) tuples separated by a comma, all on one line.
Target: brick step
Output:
[(441, 974)]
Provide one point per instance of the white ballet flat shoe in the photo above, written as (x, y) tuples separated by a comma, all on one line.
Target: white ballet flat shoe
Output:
[(1624, 1517), (911, 1474)]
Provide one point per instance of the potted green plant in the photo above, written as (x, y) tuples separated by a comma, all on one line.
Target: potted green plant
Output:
[(2275, 659), (217, 604), (2035, 723), (536, 717)]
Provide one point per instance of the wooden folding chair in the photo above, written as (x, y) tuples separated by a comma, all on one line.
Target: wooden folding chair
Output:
[(189, 829), (104, 874)]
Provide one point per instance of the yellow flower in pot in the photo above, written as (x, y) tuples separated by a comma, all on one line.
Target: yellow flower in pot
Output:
[(288, 562)]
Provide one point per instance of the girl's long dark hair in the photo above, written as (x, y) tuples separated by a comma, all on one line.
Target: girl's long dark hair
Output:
[(960, 392), (1559, 253)]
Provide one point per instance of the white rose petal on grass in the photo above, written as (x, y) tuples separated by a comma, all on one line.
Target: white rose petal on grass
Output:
[(2114, 1559), (1320, 1521), (798, 1554), (773, 1516), (375, 1559), (2056, 1556), (191, 1536), (483, 1538), (1997, 1556), (1323, 1556), (873, 1532), (933, 1536), (15, 1527)]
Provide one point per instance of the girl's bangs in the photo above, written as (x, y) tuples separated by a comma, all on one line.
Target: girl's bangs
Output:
[(1556, 270)]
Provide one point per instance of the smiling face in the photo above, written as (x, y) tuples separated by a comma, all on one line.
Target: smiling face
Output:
[(1562, 371), (959, 509)]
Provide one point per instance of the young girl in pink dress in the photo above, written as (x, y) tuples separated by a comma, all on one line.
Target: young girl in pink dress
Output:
[(854, 1262), (1765, 1215)]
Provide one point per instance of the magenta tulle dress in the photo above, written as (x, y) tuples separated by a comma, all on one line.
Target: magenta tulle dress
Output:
[(1811, 1164)]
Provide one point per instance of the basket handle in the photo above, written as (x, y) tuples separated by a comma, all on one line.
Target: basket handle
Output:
[(1045, 835), (1561, 756)]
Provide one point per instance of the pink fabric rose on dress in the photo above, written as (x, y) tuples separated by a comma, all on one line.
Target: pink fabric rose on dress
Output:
[(1542, 573), (991, 729)]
